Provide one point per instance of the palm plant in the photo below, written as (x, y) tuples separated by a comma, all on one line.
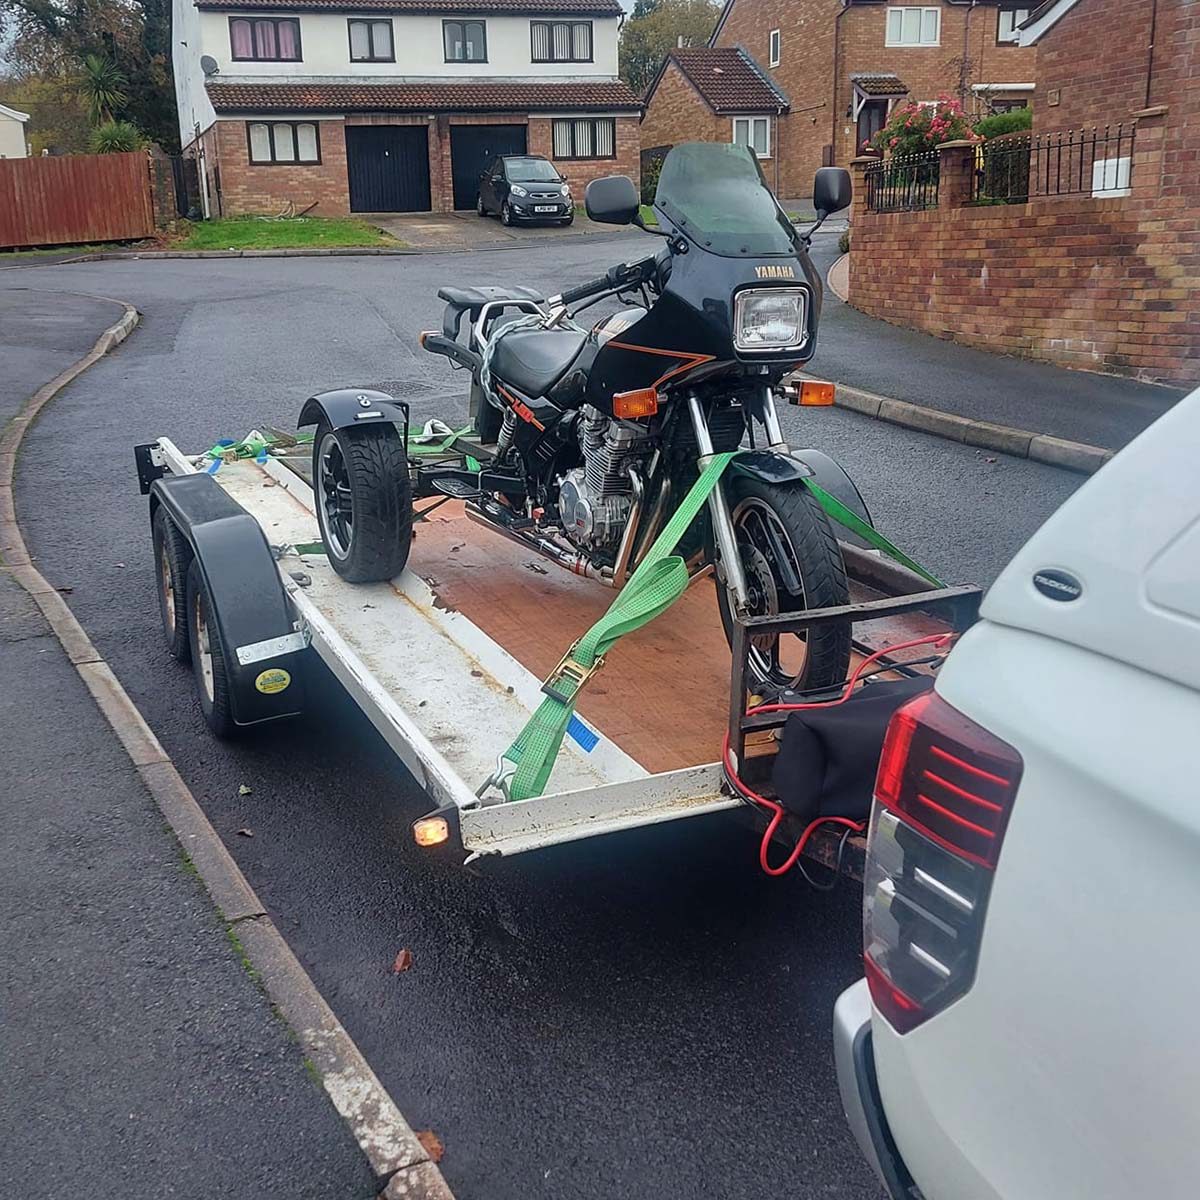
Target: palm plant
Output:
[(102, 87), (115, 137)]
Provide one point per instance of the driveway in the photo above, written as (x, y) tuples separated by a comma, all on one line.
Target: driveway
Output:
[(469, 231), (644, 1015)]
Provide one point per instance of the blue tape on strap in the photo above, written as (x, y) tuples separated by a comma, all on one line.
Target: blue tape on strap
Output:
[(261, 457), (587, 739), (214, 467)]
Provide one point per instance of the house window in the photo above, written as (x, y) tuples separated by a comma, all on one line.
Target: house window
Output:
[(1010, 21), (591, 137), (283, 142), (773, 56), (264, 39), (914, 26), (561, 41), (371, 41), (754, 132), (465, 41)]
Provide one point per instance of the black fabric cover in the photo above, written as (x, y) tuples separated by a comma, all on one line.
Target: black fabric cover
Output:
[(828, 756)]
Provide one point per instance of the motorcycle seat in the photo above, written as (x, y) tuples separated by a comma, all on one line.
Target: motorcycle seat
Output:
[(534, 360)]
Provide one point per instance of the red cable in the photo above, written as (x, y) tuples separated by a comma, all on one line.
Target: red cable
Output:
[(777, 809)]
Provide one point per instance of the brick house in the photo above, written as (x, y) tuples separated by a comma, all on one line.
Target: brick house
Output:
[(844, 64), (1096, 268), (714, 94), (332, 107)]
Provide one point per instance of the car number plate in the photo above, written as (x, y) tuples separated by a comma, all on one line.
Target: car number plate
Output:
[(545, 208)]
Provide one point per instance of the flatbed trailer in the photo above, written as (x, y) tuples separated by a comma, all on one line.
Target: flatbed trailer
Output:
[(447, 660)]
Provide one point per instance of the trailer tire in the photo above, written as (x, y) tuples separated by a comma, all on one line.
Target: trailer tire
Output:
[(208, 656), (368, 468), (172, 554)]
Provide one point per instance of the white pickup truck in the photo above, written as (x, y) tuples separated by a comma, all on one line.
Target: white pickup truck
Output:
[(1027, 1026)]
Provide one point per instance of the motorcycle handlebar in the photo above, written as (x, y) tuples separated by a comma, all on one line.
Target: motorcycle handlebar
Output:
[(620, 276)]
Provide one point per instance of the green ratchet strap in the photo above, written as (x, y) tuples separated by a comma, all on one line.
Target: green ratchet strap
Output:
[(660, 579), (852, 521), (420, 443)]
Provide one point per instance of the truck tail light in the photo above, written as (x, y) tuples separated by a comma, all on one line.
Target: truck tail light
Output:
[(943, 795)]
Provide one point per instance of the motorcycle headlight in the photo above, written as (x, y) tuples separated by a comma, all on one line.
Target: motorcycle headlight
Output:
[(768, 319), (518, 190)]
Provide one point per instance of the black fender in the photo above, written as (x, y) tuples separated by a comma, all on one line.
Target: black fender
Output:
[(771, 466), (829, 474), (352, 407), (246, 589)]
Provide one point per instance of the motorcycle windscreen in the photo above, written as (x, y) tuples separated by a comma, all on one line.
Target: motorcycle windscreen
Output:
[(715, 194)]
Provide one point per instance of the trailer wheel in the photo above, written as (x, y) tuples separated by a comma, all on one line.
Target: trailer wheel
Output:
[(363, 497), (208, 656), (172, 554)]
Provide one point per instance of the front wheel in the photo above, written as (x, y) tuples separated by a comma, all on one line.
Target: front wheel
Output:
[(480, 208), (792, 561), (363, 497), (506, 217)]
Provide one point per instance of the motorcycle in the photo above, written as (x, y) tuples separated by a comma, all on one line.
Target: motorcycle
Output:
[(586, 439)]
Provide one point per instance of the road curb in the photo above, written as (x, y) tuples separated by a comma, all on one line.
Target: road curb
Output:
[(398, 1159), (1005, 439)]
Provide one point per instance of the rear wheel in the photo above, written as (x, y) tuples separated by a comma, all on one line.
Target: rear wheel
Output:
[(208, 656), (363, 497), (792, 561), (172, 554)]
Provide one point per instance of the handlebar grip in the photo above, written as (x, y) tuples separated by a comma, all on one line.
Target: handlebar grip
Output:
[(584, 290)]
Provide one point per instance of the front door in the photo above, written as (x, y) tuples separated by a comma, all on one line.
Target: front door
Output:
[(388, 168), (472, 147), (872, 117)]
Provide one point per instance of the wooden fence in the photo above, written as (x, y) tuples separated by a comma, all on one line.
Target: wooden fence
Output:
[(73, 199)]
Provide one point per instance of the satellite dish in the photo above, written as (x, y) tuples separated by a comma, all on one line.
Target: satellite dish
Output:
[(208, 64)]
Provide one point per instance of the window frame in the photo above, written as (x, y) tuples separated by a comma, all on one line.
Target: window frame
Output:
[(276, 162), (774, 48), (1015, 40), (917, 45), (573, 157), (464, 22), (533, 58), (369, 22), (253, 21), (751, 118)]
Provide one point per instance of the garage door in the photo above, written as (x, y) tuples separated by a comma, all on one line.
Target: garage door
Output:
[(472, 147), (388, 168)]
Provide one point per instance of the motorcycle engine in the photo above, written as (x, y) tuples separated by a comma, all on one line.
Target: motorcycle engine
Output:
[(594, 500)]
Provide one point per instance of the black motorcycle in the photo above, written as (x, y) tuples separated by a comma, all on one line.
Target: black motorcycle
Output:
[(586, 439)]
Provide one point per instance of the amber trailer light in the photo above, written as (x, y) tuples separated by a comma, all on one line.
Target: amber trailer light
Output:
[(431, 831), (629, 406)]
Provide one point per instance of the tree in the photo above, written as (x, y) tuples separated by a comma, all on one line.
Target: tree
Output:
[(58, 121), (52, 38), (655, 28), (102, 87), (115, 137)]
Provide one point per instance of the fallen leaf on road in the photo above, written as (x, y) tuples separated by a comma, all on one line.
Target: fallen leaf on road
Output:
[(246, 832), (432, 1143), (66, 591), (404, 960), (243, 790)]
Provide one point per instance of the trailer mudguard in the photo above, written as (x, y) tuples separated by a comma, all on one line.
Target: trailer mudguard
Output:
[(247, 593), (348, 407)]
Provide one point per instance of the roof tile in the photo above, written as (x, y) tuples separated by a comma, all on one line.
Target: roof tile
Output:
[(419, 97), (880, 85), (728, 79)]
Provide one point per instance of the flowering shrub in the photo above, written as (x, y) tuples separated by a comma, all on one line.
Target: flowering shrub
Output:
[(914, 127)]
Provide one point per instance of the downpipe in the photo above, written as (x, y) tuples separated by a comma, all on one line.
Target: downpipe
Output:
[(718, 507), (576, 563)]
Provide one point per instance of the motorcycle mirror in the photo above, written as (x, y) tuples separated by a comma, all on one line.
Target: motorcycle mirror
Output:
[(612, 200), (832, 190)]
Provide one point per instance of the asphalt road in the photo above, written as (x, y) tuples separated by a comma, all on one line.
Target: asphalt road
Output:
[(632, 1017)]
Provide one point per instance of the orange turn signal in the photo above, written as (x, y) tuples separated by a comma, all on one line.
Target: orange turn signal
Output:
[(814, 392), (431, 831), (631, 405)]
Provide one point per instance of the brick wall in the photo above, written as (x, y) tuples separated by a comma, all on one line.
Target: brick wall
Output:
[(818, 48), (677, 113), (249, 189), (582, 171), (1101, 284), (1096, 60)]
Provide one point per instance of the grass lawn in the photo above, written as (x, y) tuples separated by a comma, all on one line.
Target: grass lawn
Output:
[(291, 233)]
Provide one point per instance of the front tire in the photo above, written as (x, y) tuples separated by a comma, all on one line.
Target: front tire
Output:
[(506, 217), (480, 207), (363, 497), (782, 531)]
